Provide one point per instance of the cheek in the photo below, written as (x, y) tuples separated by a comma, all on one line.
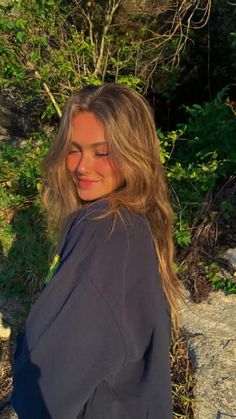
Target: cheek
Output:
[(108, 168), (103, 166), (72, 163)]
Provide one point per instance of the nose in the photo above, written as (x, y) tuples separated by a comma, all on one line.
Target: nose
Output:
[(84, 164)]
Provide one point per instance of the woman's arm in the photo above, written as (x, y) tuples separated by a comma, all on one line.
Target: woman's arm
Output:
[(74, 354)]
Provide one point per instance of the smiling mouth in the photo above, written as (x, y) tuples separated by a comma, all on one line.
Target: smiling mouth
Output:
[(86, 183)]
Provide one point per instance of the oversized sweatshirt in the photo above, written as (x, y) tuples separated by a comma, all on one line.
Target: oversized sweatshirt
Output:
[(96, 342)]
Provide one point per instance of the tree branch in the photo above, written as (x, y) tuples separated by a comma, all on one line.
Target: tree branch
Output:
[(112, 7), (47, 90)]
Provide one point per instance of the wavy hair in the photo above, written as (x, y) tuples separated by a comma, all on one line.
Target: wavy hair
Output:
[(131, 135)]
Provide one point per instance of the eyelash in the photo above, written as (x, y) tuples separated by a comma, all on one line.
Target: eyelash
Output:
[(102, 154), (73, 151), (97, 154)]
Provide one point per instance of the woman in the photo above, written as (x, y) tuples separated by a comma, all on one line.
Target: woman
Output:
[(96, 342)]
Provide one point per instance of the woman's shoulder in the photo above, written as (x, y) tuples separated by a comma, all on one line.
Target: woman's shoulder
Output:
[(96, 231), (97, 217), (121, 222)]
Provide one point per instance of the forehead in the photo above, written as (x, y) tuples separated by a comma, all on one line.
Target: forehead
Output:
[(86, 127)]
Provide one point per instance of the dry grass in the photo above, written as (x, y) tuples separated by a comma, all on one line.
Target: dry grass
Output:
[(5, 371), (182, 376)]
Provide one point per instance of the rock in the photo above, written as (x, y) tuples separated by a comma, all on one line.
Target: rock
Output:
[(210, 329), (17, 122), (12, 312), (230, 256), (12, 120), (5, 330)]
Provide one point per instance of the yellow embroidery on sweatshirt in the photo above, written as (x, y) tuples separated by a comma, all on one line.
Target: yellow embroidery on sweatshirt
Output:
[(52, 269)]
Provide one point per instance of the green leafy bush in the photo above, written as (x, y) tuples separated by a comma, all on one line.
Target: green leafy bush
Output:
[(25, 241), (214, 274), (69, 44), (210, 130), (198, 156)]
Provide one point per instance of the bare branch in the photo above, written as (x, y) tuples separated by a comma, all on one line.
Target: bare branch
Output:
[(112, 7), (47, 90)]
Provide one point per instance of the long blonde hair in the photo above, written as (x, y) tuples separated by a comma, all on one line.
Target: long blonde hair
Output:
[(131, 135)]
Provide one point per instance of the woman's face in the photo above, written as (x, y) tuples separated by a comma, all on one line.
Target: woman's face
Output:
[(93, 169)]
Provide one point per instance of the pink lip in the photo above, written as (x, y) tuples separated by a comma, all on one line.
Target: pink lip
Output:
[(86, 183)]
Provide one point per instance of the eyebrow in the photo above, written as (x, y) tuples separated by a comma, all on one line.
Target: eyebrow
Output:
[(74, 143)]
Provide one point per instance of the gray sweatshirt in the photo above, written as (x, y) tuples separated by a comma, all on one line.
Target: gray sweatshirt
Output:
[(96, 342)]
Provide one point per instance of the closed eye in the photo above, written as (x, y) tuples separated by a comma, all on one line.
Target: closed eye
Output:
[(102, 154), (74, 150)]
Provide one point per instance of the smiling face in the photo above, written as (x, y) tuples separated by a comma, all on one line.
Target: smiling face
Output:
[(93, 169)]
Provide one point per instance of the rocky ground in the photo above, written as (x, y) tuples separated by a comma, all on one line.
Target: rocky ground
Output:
[(211, 336)]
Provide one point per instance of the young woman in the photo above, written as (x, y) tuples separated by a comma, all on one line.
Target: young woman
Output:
[(96, 342)]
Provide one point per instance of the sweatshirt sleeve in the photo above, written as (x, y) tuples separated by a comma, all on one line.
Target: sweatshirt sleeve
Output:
[(74, 354)]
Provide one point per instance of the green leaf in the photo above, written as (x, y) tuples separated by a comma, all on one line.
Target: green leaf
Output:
[(44, 42), (20, 36), (232, 290)]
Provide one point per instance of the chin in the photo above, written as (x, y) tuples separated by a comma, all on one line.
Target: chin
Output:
[(87, 197)]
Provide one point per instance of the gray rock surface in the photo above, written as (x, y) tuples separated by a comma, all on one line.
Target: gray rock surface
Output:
[(211, 331), (11, 312), (230, 256), (16, 122), (5, 329)]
